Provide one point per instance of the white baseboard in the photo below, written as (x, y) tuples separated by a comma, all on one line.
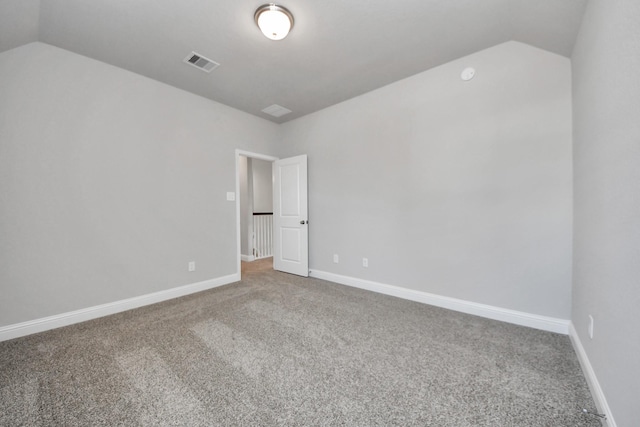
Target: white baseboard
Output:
[(247, 258), (545, 323), (46, 323), (596, 391)]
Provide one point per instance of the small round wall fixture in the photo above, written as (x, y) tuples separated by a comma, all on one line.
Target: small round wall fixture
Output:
[(274, 21), (467, 74)]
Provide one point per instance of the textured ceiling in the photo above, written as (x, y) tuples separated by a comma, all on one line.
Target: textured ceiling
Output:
[(338, 49)]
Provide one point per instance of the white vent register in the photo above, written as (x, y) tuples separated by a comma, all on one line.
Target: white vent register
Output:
[(200, 62), (276, 110)]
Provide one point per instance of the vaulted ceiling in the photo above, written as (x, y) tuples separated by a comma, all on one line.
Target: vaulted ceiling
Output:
[(337, 49)]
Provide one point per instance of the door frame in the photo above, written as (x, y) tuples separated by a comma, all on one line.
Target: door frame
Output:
[(251, 155)]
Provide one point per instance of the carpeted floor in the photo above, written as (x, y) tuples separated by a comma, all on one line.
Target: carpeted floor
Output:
[(276, 349)]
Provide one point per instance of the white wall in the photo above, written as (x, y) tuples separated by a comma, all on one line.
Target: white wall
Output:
[(606, 96), (462, 189), (110, 183), (262, 186), (19, 22)]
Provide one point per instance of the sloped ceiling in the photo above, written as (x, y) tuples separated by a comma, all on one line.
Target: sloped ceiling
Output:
[(338, 49)]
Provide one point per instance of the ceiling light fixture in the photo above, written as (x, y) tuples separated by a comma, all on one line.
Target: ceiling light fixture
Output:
[(274, 21)]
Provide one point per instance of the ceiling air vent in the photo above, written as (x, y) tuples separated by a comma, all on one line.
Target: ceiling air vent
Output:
[(199, 61), (276, 110)]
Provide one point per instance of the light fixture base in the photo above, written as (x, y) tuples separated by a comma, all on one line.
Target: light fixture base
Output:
[(274, 21)]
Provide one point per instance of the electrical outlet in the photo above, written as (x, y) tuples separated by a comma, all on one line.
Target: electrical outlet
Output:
[(336, 258), (365, 262), (591, 326), (192, 266)]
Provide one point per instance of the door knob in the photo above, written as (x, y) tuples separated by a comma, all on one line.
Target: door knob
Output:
[(303, 222)]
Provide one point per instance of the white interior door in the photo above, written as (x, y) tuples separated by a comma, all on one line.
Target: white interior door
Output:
[(290, 220)]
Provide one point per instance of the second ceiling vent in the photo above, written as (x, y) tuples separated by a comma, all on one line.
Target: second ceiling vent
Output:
[(200, 62)]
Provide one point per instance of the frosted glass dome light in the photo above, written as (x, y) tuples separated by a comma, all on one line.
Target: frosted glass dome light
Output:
[(274, 21)]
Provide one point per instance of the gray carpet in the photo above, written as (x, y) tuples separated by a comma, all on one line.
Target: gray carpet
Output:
[(276, 349)]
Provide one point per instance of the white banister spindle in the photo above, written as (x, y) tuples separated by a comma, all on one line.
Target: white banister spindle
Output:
[(263, 229)]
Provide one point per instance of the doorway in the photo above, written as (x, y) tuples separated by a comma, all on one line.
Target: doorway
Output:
[(287, 237), (254, 206)]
